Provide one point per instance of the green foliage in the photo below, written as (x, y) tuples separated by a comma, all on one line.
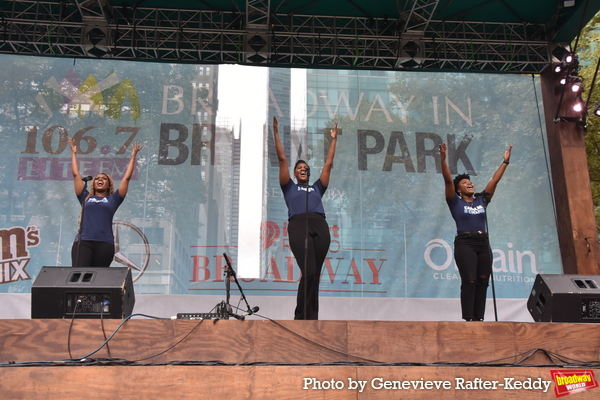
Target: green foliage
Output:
[(588, 51)]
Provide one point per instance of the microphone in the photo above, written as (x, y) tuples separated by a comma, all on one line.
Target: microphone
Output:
[(87, 178), (482, 194), (307, 175), (252, 311)]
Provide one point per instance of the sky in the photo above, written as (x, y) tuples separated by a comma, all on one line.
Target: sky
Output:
[(243, 97)]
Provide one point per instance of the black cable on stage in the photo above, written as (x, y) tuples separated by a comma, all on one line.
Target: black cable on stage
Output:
[(124, 362), (315, 343), (71, 327), (173, 346), (557, 360), (115, 332), (103, 331)]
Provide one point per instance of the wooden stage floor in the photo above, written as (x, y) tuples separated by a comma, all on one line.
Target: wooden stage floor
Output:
[(150, 358)]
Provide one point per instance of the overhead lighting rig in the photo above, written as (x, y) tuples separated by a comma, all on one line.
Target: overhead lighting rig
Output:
[(571, 107), (566, 65)]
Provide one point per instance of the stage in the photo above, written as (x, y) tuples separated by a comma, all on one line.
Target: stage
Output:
[(165, 358)]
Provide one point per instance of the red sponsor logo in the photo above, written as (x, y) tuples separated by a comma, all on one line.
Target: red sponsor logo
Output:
[(572, 381)]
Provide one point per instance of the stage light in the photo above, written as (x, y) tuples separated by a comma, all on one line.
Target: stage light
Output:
[(95, 36), (568, 58), (560, 52), (563, 81), (96, 39), (597, 112), (410, 51), (411, 48), (558, 68), (257, 43), (576, 87), (578, 107)]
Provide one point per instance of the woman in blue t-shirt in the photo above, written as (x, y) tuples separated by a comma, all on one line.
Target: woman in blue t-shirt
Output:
[(308, 230), (472, 251), (94, 244)]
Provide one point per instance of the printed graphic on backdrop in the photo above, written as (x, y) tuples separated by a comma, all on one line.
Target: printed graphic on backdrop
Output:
[(572, 381), (392, 234)]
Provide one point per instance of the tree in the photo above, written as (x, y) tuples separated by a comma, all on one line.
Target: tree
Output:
[(588, 48)]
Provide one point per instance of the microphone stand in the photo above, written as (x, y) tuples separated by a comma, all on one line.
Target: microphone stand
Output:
[(80, 231), (306, 243), (485, 195), (224, 307)]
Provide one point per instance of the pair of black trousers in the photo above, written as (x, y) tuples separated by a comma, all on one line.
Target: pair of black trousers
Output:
[(474, 261), (307, 303), (90, 253)]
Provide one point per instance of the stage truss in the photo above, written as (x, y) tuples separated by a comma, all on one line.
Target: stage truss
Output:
[(256, 36)]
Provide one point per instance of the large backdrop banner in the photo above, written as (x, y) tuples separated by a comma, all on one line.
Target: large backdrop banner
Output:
[(206, 181)]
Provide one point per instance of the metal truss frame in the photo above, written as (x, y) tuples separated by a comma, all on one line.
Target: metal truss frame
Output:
[(419, 15), (193, 36)]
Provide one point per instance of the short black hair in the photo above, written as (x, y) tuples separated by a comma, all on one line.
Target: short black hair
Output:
[(459, 178), (300, 162)]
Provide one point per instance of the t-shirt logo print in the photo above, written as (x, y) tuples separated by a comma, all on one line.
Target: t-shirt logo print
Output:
[(474, 210), (94, 200)]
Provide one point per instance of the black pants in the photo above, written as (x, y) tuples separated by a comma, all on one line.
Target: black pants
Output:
[(474, 261), (307, 303), (92, 254)]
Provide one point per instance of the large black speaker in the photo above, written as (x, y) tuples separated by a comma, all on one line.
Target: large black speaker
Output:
[(64, 292), (565, 298)]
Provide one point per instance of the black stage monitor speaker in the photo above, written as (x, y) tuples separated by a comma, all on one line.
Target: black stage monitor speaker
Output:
[(65, 292), (565, 298)]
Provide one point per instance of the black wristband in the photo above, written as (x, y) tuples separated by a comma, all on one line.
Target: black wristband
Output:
[(505, 162)]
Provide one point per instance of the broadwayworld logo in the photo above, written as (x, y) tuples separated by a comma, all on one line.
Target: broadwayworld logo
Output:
[(572, 381)]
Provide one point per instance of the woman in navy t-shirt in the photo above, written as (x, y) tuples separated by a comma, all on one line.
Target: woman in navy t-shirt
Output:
[(94, 244), (306, 221), (472, 251)]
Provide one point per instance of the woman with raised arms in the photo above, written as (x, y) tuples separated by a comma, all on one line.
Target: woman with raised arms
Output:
[(472, 251), (94, 244), (308, 230)]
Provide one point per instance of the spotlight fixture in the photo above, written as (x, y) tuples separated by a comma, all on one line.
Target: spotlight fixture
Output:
[(558, 68), (578, 107), (257, 42), (95, 36), (561, 51), (411, 48), (563, 81), (597, 111), (568, 58)]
